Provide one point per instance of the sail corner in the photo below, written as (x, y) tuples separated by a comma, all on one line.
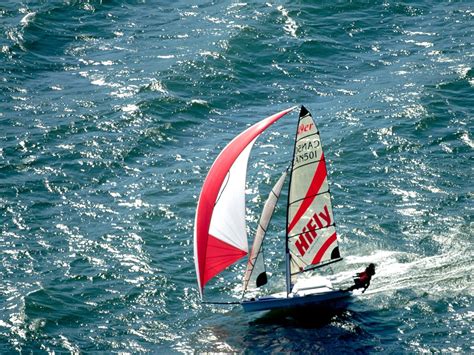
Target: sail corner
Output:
[(303, 111)]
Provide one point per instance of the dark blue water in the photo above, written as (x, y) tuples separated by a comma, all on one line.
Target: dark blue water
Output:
[(112, 112)]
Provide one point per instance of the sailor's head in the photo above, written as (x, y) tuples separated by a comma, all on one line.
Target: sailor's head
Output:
[(371, 269)]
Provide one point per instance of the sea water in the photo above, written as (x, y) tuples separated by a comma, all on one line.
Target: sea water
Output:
[(112, 112)]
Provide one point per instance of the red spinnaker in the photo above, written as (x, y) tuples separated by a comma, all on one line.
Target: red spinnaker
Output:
[(212, 255)]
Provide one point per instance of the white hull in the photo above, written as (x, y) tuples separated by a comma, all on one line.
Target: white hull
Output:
[(311, 293)]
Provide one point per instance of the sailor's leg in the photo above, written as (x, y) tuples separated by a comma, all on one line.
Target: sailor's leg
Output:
[(353, 287)]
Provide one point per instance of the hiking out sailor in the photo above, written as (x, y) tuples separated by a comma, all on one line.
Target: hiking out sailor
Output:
[(362, 279)]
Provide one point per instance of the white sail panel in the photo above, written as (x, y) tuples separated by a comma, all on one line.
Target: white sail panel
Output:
[(307, 149), (256, 256), (309, 176), (228, 220), (311, 233), (305, 175), (312, 182)]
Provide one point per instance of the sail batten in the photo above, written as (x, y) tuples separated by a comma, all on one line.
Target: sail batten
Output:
[(307, 136), (301, 199)]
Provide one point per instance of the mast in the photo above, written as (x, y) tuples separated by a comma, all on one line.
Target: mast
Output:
[(289, 286)]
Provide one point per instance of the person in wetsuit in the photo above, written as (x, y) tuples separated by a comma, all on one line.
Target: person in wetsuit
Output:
[(362, 279)]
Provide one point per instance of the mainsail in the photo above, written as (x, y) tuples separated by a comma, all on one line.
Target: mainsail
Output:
[(256, 256), (220, 237), (311, 233)]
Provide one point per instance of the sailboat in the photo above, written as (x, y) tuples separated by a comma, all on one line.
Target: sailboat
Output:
[(220, 234)]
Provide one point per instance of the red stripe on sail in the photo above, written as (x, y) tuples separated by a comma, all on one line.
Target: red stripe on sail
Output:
[(319, 255), (219, 255), (210, 191), (314, 187)]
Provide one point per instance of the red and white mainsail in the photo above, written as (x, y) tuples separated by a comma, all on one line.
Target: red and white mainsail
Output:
[(311, 233), (220, 236)]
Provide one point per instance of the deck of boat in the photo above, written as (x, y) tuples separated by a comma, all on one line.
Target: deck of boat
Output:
[(314, 292)]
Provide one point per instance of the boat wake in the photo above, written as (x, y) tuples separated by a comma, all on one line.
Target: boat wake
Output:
[(439, 275)]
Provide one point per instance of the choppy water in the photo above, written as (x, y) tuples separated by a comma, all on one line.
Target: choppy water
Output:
[(112, 112)]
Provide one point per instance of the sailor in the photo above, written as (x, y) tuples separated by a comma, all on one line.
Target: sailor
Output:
[(362, 279)]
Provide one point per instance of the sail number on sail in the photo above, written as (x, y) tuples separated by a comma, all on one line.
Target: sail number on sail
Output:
[(307, 151)]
